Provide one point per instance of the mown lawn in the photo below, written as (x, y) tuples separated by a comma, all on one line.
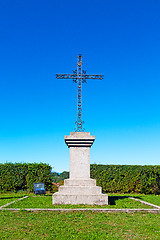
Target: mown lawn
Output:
[(9, 197), (151, 198), (78, 225), (115, 201), (46, 202), (154, 199)]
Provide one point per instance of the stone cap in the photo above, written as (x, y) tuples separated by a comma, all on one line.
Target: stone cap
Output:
[(79, 139)]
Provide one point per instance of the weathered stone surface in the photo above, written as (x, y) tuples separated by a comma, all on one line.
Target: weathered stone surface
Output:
[(79, 163), (80, 182), (100, 199), (79, 139), (80, 188)]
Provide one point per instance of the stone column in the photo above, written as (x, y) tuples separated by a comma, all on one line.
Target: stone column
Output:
[(80, 188), (79, 144)]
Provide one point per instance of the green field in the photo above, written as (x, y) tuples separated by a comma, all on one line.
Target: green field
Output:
[(78, 225), (154, 199), (9, 197), (33, 201)]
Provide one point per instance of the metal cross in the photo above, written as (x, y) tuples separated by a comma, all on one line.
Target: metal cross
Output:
[(79, 76)]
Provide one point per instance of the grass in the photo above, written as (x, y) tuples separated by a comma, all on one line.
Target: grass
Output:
[(154, 199), (46, 202), (78, 225), (9, 197), (115, 201)]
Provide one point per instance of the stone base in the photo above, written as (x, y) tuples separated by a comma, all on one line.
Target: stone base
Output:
[(80, 191), (101, 199)]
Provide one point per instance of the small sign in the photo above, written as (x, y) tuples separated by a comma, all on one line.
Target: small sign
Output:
[(39, 188)]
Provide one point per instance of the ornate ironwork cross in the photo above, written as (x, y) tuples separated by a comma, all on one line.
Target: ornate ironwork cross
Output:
[(79, 76)]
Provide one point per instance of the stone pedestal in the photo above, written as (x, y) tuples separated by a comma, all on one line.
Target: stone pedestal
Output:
[(80, 188)]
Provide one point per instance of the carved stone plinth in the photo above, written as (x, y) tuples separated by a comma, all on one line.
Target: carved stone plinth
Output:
[(80, 188)]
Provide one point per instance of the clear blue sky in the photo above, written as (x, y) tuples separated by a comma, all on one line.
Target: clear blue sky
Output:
[(120, 39)]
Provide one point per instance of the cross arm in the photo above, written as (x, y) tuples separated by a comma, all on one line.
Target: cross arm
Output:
[(74, 76), (91, 76), (66, 76)]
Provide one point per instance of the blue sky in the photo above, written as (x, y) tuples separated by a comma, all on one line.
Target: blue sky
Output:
[(119, 39)]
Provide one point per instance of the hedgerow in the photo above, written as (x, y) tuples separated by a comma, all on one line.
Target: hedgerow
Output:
[(112, 178), (21, 176), (127, 178)]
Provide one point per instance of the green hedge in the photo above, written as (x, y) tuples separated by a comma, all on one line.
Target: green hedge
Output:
[(112, 178), (127, 178), (21, 176)]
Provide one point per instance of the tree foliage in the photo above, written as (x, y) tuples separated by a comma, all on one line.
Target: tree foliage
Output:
[(112, 178), (127, 178), (21, 176), (57, 177)]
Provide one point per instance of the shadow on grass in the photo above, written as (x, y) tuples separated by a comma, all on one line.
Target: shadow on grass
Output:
[(112, 199), (10, 197)]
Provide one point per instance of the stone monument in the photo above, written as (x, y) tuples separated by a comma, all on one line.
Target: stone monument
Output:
[(79, 188)]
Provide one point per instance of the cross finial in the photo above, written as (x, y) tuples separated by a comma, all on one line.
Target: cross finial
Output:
[(79, 76)]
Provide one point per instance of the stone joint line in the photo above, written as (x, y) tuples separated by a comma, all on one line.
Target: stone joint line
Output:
[(13, 202), (84, 209), (147, 203)]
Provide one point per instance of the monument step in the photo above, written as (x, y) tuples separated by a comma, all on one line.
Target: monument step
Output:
[(99, 199), (80, 182), (78, 190)]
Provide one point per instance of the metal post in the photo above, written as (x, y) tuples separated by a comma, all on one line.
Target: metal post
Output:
[(79, 93)]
